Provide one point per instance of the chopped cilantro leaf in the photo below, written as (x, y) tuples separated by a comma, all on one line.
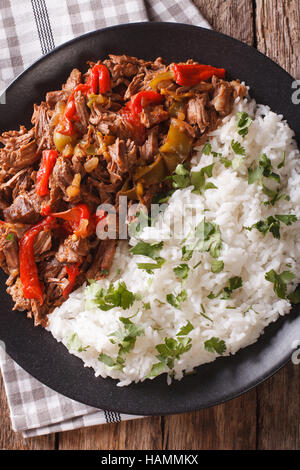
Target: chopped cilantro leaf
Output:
[(198, 179), (272, 224), (74, 343), (294, 297), (217, 265), (234, 283), (119, 296), (186, 254), (181, 177), (243, 123), (125, 339), (10, 237), (171, 349), (182, 271), (177, 300), (237, 148), (148, 267), (215, 345), (151, 250), (280, 281), (207, 149), (281, 164), (207, 237), (185, 330)]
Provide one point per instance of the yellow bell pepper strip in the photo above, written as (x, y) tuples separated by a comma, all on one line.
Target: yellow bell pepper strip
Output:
[(191, 74), (129, 192), (177, 146), (47, 164), (151, 174), (161, 77)]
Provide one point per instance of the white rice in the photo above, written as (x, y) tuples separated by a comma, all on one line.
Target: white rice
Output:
[(248, 254)]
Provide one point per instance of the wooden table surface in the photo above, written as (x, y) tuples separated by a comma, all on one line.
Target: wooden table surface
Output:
[(267, 417)]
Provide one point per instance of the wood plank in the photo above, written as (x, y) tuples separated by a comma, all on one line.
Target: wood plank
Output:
[(9, 440), (278, 27), (143, 434), (231, 426), (279, 410), (232, 17)]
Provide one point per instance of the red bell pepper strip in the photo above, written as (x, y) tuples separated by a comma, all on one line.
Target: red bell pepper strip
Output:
[(47, 164), (191, 74), (72, 272), (66, 126), (132, 110), (32, 287), (137, 129), (78, 218), (98, 77), (142, 99)]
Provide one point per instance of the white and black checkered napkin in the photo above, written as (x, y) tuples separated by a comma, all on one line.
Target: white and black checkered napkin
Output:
[(29, 29)]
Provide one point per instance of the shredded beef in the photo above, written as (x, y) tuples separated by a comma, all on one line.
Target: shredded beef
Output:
[(20, 150), (42, 128), (25, 209), (102, 139)]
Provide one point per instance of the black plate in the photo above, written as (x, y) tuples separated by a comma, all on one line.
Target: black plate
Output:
[(34, 348)]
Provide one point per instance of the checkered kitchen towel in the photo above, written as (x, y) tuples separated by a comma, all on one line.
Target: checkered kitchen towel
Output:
[(29, 29)]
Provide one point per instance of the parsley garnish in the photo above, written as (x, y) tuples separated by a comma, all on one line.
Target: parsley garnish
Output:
[(198, 179), (264, 169), (294, 297), (207, 149), (148, 267), (217, 265), (274, 196), (181, 177), (186, 254), (207, 237), (237, 148), (215, 345), (119, 296), (177, 300), (171, 349), (243, 123), (203, 313), (272, 224), (182, 271), (280, 281), (197, 264), (74, 343), (234, 283), (151, 250), (125, 339), (281, 164)]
